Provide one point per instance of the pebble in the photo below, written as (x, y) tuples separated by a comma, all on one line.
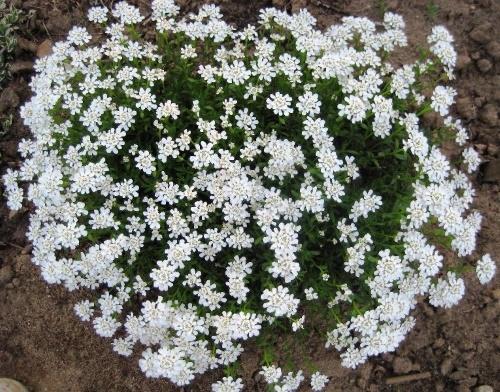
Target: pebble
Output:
[(279, 3), (8, 99), (439, 342), (9, 150), (459, 374), (402, 365), (491, 311), (21, 66), (6, 275), (446, 366), (26, 44), (44, 49), (493, 149), (480, 148), (493, 49), (484, 65), (469, 382), (465, 108), (10, 385), (489, 114), (484, 388), (58, 23), (496, 294), (481, 34), (463, 60), (297, 5), (491, 172)]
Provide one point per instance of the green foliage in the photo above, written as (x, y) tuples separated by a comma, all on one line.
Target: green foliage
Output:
[(9, 23)]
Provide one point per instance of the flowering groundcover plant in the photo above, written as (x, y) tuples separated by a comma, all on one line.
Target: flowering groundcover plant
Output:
[(212, 185)]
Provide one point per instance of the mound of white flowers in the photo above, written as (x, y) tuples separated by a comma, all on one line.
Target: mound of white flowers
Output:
[(210, 185)]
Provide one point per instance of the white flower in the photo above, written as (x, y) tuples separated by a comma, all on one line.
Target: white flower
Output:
[(311, 294), (168, 109), (84, 310), (98, 14), (471, 159), (145, 162), (271, 374), (447, 293), (318, 381), (298, 324), (442, 98), (78, 36), (146, 100), (246, 120), (228, 384), (236, 72), (124, 117), (280, 104), (485, 269), (279, 302), (354, 108), (309, 104)]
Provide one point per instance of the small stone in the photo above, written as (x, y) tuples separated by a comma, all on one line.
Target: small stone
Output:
[(469, 382), (463, 60), (468, 356), (432, 120), (8, 100), (475, 55), (458, 375), (10, 385), (44, 49), (446, 366), (439, 342), (26, 44), (279, 3), (6, 275), (485, 3), (365, 371), (481, 33), (9, 149), (484, 388), (493, 149), (362, 383), (297, 5), (16, 282), (489, 115), (480, 148), (21, 66), (58, 22), (467, 345), (402, 365), (493, 49), (479, 101), (496, 294), (392, 4), (465, 108), (491, 172), (484, 65), (491, 311)]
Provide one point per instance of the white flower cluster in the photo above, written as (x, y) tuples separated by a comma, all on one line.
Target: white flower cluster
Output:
[(215, 177), (274, 376)]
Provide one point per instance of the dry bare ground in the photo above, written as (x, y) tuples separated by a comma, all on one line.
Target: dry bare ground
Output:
[(43, 344)]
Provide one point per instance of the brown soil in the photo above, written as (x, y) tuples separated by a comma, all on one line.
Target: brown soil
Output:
[(45, 346)]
